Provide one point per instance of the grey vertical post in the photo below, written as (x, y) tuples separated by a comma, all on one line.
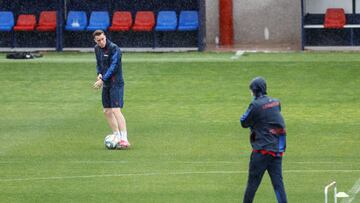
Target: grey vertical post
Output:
[(202, 25), (59, 25)]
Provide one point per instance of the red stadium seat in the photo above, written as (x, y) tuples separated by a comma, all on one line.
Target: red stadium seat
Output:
[(121, 21), (47, 21), (334, 18), (144, 21), (25, 22)]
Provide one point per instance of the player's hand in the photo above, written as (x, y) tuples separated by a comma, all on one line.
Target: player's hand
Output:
[(98, 84), (99, 77)]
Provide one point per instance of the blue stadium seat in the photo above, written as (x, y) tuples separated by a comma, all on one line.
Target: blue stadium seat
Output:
[(188, 21), (6, 20), (166, 21), (99, 20), (76, 21)]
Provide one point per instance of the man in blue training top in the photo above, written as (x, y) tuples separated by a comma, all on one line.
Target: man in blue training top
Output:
[(110, 78), (268, 141)]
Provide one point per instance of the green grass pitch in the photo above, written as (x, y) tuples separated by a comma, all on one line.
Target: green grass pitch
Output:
[(182, 112)]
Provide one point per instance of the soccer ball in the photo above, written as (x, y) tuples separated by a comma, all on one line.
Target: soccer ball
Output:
[(111, 141)]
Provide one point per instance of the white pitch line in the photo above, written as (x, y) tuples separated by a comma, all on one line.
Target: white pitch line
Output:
[(354, 190), (128, 60), (237, 54), (163, 174), (181, 162), (120, 175), (203, 162), (319, 162), (322, 171)]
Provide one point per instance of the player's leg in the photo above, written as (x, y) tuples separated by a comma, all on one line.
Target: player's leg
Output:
[(110, 118), (257, 167), (275, 172), (117, 102), (122, 126), (120, 119)]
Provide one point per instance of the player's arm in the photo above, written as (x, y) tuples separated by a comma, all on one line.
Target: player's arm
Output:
[(246, 119), (99, 75), (98, 70), (279, 106), (98, 84), (115, 59)]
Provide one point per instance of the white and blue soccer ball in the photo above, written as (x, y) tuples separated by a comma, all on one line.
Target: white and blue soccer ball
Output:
[(111, 141)]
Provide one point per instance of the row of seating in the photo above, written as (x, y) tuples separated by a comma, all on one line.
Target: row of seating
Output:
[(27, 22), (334, 18), (121, 21)]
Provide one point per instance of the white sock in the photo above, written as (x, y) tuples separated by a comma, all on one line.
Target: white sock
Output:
[(124, 135), (117, 134)]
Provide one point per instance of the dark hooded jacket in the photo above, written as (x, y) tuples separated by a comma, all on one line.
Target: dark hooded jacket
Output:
[(108, 63), (263, 117)]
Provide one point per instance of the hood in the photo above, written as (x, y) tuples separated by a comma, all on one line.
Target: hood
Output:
[(258, 86)]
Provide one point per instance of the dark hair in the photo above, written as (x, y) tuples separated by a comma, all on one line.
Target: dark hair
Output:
[(97, 33), (258, 86)]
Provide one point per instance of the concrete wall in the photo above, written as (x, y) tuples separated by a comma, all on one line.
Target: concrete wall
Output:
[(212, 20), (320, 6), (263, 23)]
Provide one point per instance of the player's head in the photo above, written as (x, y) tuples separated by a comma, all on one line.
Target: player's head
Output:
[(258, 86), (99, 38)]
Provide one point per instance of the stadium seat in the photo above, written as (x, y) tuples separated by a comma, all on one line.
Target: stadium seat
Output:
[(25, 22), (121, 21), (188, 21), (334, 18), (47, 21), (6, 20), (99, 20), (144, 21), (166, 21), (76, 21)]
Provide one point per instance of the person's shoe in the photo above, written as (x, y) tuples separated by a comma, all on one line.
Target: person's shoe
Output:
[(123, 144)]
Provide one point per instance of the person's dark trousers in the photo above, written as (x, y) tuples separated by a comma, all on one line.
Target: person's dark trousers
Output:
[(259, 163)]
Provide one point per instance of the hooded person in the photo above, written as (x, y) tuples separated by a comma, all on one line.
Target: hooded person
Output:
[(267, 138), (258, 86)]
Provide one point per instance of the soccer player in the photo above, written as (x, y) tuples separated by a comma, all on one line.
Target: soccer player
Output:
[(110, 79), (268, 141)]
